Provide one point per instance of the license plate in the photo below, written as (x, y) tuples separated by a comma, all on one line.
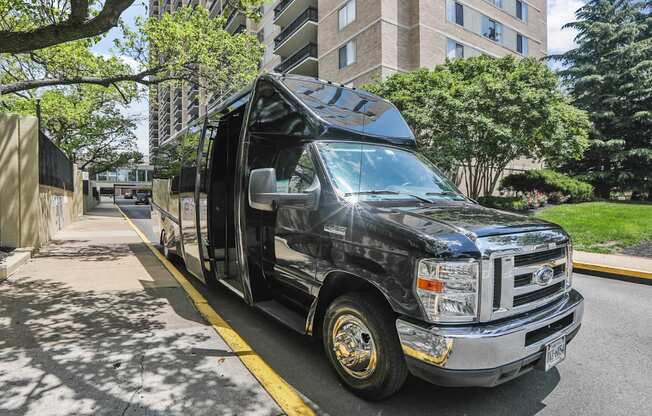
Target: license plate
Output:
[(555, 352)]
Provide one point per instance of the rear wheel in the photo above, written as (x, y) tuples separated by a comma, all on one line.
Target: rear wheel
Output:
[(166, 250), (362, 345)]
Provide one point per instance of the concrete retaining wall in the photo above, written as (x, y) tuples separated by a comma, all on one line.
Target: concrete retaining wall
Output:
[(30, 213)]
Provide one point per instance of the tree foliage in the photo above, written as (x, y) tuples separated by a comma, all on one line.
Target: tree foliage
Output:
[(29, 25), (83, 93), (479, 114), (609, 75), (189, 45)]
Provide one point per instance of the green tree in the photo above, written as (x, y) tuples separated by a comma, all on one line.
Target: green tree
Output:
[(88, 123), (81, 90), (609, 75), (473, 117), (188, 45), (29, 25)]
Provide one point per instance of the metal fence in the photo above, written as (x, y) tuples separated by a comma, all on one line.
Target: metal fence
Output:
[(54, 168)]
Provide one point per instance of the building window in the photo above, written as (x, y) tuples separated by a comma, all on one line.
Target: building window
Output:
[(455, 50), (492, 29), (521, 10), (521, 44), (347, 14), (498, 3), (455, 12), (347, 54), (459, 14)]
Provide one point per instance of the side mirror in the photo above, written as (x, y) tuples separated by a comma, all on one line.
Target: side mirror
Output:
[(263, 193), (262, 188)]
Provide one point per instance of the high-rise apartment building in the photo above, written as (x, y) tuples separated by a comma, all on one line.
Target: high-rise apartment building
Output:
[(354, 42)]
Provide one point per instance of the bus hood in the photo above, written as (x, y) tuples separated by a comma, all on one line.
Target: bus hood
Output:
[(465, 218)]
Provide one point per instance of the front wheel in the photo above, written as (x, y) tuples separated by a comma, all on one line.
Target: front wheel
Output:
[(362, 345)]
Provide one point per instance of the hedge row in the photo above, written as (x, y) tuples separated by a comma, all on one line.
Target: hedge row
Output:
[(550, 183), (505, 203)]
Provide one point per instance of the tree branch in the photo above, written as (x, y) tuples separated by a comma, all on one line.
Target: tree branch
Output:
[(78, 11), (75, 28), (141, 78)]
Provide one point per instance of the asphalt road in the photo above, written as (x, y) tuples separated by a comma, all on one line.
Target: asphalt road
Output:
[(607, 371)]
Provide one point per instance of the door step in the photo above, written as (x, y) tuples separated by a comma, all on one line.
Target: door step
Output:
[(283, 314)]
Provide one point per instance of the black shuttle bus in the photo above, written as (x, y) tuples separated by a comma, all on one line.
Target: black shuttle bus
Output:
[(308, 200)]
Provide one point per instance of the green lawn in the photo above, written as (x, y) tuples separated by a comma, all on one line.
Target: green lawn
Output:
[(602, 227)]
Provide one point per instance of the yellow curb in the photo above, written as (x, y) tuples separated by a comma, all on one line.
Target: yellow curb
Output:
[(640, 274), (284, 394)]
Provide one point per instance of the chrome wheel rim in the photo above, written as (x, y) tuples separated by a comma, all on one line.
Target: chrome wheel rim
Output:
[(166, 250), (354, 347)]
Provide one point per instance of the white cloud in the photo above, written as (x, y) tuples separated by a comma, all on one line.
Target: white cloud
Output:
[(561, 12)]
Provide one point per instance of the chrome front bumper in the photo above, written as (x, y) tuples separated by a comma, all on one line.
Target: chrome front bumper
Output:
[(488, 354)]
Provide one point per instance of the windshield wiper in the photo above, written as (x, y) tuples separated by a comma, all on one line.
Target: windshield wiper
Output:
[(388, 192), (445, 193), (442, 193)]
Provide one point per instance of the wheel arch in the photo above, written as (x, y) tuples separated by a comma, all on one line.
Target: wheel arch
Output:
[(336, 284)]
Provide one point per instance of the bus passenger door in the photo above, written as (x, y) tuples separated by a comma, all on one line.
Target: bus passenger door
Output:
[(221, 191), (187, 201), (203, 200)]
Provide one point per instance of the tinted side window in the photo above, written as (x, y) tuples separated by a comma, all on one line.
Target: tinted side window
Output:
[(273, 113), (295, 171), (188, 149)]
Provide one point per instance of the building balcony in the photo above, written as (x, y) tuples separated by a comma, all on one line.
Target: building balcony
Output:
[(287, 10), (298, 33), (240, 29), (215, 8), (234, 20), (302, 62)]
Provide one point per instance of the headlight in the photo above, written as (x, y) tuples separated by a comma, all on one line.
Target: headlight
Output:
[(448, 290)]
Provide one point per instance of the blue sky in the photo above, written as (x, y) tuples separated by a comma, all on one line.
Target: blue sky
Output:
[(560, 12)]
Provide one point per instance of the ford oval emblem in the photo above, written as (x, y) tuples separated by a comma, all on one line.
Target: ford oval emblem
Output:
[(543, 275)]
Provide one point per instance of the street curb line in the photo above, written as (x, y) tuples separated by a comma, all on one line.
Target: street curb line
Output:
[(14, 260), (283, 393), (619, 271)]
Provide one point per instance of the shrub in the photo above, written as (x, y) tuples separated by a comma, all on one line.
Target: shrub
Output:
[(548, 182), (535, 200), (503, 202)]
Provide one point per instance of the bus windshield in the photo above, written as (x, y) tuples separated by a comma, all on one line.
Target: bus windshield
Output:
[(361, 171)]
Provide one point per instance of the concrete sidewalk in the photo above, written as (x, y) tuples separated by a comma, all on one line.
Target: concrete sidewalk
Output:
[(94, 324)]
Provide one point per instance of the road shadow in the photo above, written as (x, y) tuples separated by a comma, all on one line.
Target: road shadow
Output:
[(80, 250), (65, 351)]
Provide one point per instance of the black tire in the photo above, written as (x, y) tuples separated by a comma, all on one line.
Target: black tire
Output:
[(390, 370), (164, 247)]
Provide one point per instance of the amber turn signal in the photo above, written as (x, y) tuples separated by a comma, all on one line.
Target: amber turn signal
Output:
[(430, 285)]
